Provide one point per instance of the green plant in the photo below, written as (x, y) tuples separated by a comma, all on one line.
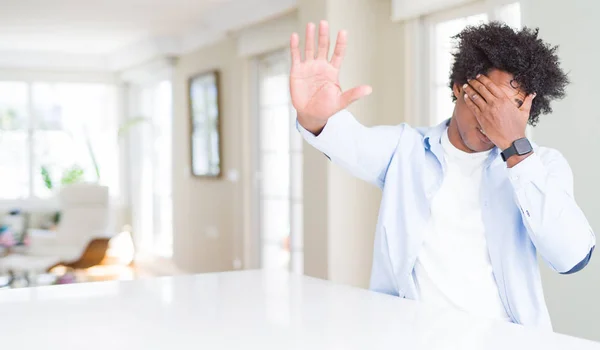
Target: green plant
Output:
[(56, 218), (46, 177), (9, 119), (72, 175)]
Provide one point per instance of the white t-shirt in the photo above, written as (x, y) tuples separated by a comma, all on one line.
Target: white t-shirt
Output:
[(453, 268)]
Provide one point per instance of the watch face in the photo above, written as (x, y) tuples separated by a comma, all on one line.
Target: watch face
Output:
[(522, 146)]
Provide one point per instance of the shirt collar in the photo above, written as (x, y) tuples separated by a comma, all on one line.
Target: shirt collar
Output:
[(435, 134), (432, 142)]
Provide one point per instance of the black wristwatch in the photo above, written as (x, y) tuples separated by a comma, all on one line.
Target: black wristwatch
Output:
[(519, 147)]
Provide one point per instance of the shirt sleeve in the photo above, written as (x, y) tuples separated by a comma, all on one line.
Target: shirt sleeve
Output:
[(365, 152), (556, 225), (382, 273)]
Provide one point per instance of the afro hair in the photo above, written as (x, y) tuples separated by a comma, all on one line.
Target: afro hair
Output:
[(533, 63)]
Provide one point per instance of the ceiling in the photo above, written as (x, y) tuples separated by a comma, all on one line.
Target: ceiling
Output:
[(101, 30)]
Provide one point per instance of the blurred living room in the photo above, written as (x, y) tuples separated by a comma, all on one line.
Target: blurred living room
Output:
[(141, 139)]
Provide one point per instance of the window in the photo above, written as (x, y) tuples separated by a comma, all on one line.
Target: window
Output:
[(442, 28), (150, 167), (65, 128), (14, 141), (279, 168)]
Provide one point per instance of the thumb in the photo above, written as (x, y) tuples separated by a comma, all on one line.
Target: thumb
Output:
[(526, 106), (354, 94)]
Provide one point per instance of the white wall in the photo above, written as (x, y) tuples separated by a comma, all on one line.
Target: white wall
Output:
[(204, 207), (574, 129), (267, 36), (373, 56), (353, 203), (224, 205)]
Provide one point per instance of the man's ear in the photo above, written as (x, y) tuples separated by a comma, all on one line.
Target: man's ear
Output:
[(457, 90)]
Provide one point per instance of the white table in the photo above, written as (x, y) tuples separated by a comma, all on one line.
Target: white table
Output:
[(246, 310)]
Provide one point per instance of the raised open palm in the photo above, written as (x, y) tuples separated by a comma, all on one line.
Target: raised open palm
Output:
[(314, 83)]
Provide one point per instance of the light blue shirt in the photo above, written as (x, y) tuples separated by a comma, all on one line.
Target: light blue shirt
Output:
[(526, 209)]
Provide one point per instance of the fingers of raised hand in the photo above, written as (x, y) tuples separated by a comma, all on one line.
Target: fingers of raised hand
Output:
[(323, 52), (309, 45), (340, 49), (295, 49)]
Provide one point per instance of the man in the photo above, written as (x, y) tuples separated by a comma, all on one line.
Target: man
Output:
[(467, 204)]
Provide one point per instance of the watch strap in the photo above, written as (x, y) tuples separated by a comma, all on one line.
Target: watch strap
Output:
[(509, 152), (519, 147)]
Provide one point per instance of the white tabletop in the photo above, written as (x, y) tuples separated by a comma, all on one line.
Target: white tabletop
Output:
[(251, 309)]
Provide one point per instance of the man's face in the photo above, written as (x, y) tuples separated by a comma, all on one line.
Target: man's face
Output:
[(468, 126)]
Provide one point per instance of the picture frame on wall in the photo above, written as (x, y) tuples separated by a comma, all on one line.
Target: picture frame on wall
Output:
[(205, 130)]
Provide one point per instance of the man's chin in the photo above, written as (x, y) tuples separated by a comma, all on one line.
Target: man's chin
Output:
[(484, 149), (479, 146)]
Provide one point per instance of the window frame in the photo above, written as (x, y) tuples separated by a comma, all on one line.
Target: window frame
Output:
[(255, 249), (147, 243)]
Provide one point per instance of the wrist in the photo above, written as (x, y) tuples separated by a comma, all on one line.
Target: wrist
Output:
[(514, 160), (517, 151), (312, 125), (508, 142)]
